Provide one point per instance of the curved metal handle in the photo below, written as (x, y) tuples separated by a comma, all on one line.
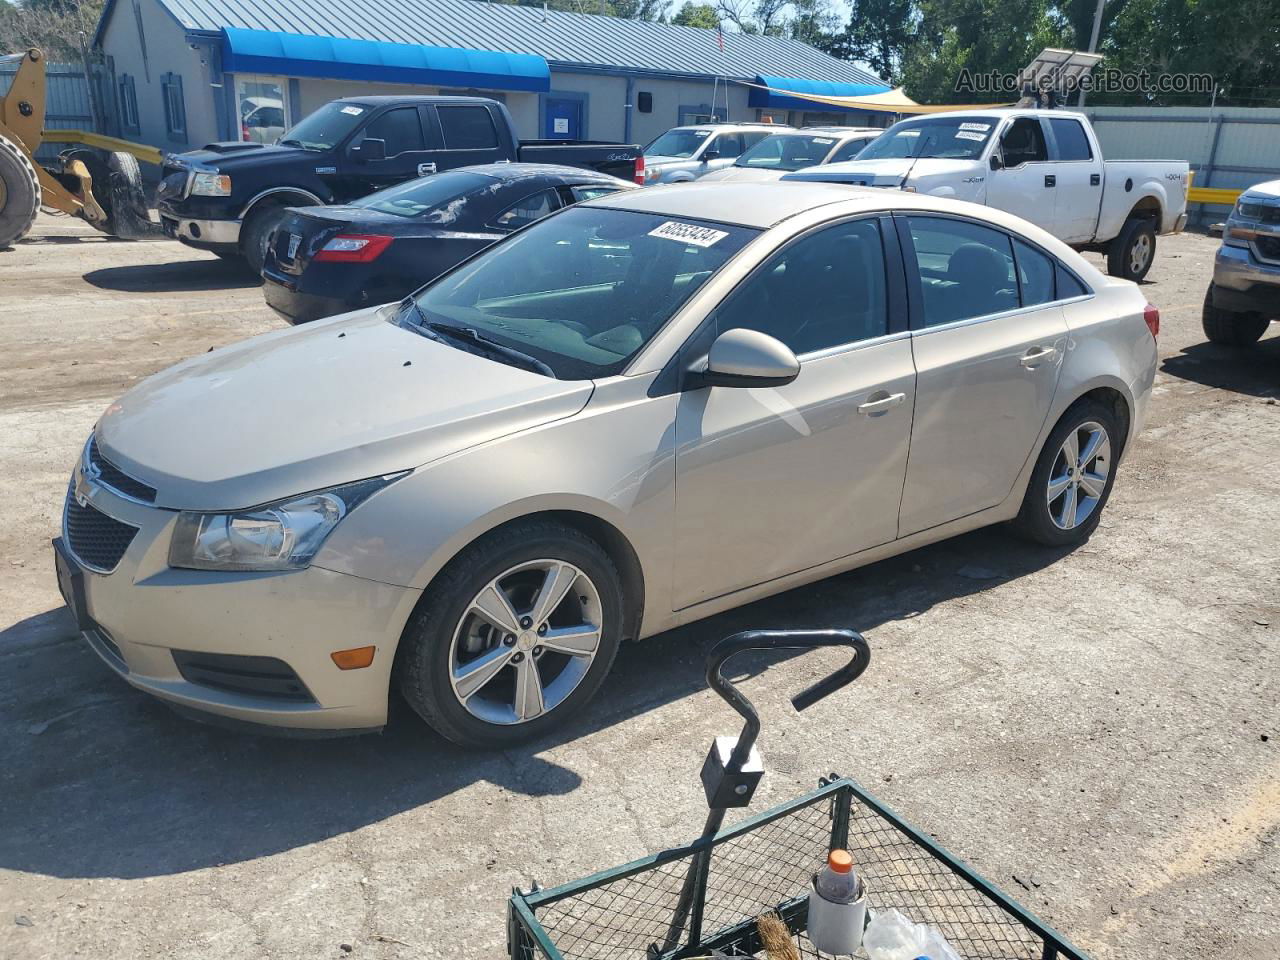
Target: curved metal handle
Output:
[(781, 640)]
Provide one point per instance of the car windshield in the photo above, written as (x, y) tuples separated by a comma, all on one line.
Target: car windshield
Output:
[(435, 199), (957, 138), (582, 291), (787, 151), (677, 143), (326, 128)]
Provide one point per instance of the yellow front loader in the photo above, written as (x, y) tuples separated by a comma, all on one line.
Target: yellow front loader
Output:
[(119, 207)]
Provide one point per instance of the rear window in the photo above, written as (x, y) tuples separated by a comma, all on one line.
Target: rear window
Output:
[(1072, 142), (468, 128), (431, 198)]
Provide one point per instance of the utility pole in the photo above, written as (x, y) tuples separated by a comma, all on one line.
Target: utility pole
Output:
[(1093, 38)]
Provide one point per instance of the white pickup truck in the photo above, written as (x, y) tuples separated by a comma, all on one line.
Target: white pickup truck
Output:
[(1042, 165)]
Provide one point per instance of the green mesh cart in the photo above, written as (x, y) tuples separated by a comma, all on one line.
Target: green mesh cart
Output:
[(702, 900)]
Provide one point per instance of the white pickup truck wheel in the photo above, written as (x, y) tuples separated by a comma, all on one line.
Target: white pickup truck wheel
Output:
[(1131, 253)]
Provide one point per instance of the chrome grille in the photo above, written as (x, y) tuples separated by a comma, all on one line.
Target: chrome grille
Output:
[(98, 541), (1267, 247), (112, 476)]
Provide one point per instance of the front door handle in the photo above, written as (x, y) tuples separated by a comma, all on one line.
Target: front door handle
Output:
[(881, 403), (1037, 355), (1050, 180), (426, 169), (1095, 179)]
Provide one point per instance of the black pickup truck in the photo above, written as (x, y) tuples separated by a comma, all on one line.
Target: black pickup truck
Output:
[(228, 197)]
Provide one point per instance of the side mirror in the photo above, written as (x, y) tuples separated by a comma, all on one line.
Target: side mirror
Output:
[(747, 358), (370, 148), (996, 162), (709, 155)]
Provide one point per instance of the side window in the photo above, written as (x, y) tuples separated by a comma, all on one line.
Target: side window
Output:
[(848, 150), (966, 270), (1073, 144), (729, 145), (529, 209), (467, 128), (590, 192), (400, 128), (1024, 142), (823, 290), (1035, 275), (128, 103), (751, 137), (1068, 285)]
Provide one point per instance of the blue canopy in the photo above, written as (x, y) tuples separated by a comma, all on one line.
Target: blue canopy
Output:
[(822, 88), (295, 55)]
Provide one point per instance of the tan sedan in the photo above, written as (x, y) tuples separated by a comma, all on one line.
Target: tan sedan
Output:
[(635, 413)]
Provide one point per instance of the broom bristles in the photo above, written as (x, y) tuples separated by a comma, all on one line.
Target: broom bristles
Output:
[(776, 937)]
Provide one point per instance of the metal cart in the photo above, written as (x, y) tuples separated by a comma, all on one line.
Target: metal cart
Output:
[(703, 899)]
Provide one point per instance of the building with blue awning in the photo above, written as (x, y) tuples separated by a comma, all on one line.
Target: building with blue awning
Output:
[(189, 72)]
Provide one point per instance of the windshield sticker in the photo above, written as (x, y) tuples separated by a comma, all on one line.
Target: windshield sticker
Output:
[(353, 111), (970, 135), (908, 133), (689, 233), (823, 140), (980, 127), (702, 133)]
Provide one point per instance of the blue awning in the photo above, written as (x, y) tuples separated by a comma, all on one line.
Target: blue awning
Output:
[(822, 88), (295, 55)]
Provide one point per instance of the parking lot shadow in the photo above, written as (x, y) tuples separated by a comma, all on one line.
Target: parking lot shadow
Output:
[(1254, 371), (188, 275), (98, 780)]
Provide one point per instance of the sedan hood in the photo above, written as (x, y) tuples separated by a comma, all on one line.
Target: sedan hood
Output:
[(744, 175), (882, 173), (311, 407)]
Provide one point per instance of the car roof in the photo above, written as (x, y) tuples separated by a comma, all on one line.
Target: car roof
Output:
[(724, 125), (413, 98), (515, 171), (744, 204)]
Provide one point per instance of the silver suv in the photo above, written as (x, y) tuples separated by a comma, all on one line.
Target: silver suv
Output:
[(1244, 296), (687, 153)]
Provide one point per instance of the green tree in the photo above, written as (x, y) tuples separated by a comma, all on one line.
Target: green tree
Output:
[(696, 15), (55, 26), (879, 34)]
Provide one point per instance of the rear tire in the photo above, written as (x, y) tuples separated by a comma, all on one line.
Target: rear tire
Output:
[(19, 193), (442, 639), (1049, 517), (1231, 329), (1132, 253)]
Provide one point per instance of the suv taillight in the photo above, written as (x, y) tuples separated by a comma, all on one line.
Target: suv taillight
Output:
[(352, 248), (1152, 316), (639, 171)]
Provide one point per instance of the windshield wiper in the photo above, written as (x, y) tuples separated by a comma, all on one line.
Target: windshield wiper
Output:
[(473, 337), (298, 143)]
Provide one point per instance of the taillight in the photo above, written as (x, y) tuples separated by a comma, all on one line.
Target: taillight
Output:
[(1152, 316), (639, 171), (353, 248), (244, 132)]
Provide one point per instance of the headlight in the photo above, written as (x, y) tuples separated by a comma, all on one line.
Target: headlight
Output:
[(278, 536), (1248, 211), (211, 185)]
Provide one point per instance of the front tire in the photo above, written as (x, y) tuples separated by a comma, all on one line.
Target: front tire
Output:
[(1231, 329), (1073, 476), (1131, 253), (256, 234), (19, 193), (515, 635)]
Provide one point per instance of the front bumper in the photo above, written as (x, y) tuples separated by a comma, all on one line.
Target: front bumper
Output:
[(1242, 283), (136, 616), (204, 232)]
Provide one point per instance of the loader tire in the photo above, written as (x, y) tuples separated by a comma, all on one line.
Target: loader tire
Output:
[(125, 200), (19, 193)]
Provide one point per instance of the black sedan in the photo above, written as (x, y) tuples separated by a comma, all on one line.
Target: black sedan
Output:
[(323, 261)]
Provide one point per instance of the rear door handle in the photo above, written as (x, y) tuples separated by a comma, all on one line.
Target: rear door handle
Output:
[(1037, 355), (881, 403), (426, 169), (1050, 180)]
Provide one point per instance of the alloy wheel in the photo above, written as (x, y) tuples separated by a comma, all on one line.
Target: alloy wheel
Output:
[(1140, 253), (525, 642), (1078, 478)]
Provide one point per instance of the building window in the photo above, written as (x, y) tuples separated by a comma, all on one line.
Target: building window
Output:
[(175, 109), (128, 103)]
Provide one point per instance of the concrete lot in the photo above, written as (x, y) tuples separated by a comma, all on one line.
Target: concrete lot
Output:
[(1097, 731)]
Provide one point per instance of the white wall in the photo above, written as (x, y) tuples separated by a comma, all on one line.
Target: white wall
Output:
[(166, 52)]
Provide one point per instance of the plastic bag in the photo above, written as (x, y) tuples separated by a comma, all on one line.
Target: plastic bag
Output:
[(891, 936)]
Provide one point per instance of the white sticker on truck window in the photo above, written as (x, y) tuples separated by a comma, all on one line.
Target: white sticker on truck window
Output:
[(822, 140), (353, 111), (689, 233), (980, 127), (970, 135)]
